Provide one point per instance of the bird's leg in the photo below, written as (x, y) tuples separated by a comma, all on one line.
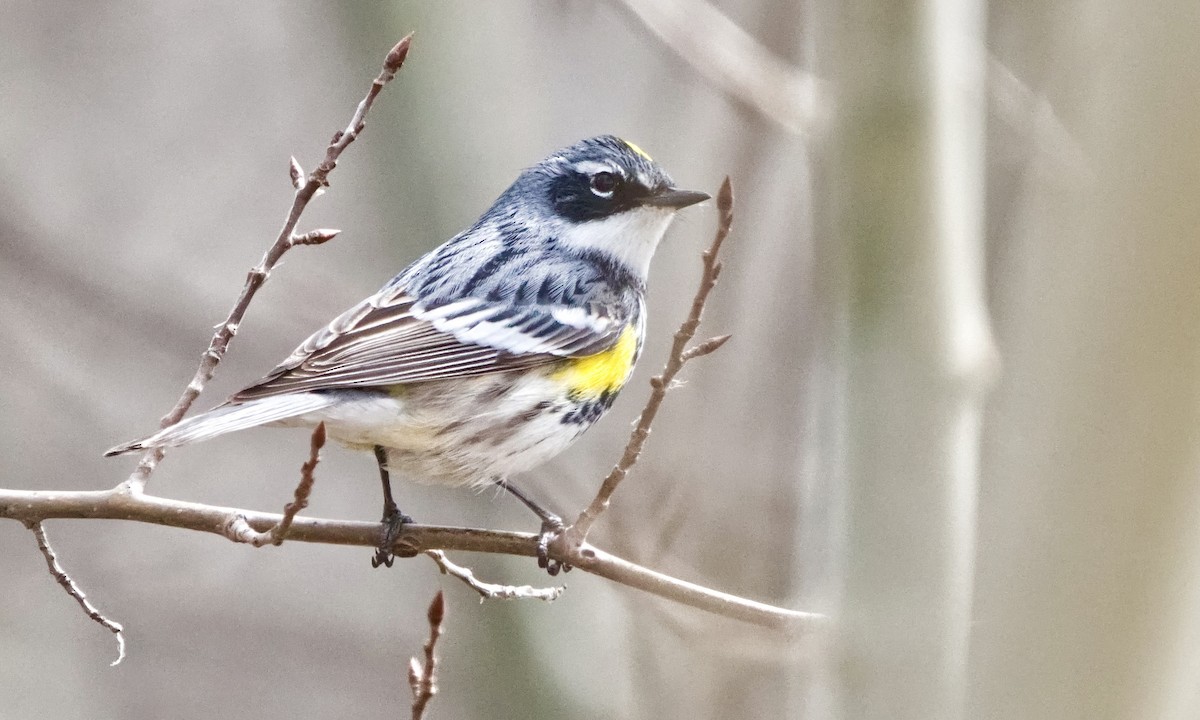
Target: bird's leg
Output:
[(552, 525), (393, 520)]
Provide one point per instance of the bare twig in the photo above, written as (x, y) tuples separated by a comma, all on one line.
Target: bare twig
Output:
[(285, 241), (492, 591), (422, 677), (115, 504), (660, 384), (63, 579), (239, 530)]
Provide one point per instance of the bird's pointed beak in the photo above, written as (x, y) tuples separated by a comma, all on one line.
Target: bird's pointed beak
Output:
[(675, 199)]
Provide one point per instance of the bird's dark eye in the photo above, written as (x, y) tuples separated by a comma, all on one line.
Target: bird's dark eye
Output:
[(603, 184)]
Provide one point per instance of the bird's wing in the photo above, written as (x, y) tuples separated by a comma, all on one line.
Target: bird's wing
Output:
[(392, 338)]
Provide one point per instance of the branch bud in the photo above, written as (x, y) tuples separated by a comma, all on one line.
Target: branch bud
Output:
[(296, 173), (396, 57), (315, 237), (437, 610)]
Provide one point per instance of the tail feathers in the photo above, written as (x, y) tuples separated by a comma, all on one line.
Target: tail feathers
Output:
[(228, 418)]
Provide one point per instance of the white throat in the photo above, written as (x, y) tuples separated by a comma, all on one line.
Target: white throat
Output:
[(630, 237)]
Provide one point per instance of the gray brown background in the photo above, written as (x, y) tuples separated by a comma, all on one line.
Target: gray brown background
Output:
[(143, 170)]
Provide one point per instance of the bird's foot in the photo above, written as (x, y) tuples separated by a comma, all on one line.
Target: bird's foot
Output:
[(552, 527), (393, 523)]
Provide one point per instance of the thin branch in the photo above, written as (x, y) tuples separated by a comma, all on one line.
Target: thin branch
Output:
[(63, 579), (739, 65), (121, 504), (240, 531), (661, 384), (1032, 117), (735, 62), (492, 591), (422, 678), (285, 241), (598, 562)]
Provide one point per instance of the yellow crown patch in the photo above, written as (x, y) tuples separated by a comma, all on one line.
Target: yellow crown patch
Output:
[(638, 150)]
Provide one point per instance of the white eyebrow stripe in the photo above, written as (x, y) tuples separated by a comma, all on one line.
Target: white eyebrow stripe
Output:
[(589, 167)]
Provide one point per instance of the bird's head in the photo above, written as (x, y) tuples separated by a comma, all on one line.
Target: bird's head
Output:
[(605, 195)]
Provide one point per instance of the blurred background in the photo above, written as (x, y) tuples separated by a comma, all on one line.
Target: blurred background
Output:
[(959, 412)]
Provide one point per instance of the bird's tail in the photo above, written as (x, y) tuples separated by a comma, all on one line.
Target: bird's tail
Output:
[(228, 418)]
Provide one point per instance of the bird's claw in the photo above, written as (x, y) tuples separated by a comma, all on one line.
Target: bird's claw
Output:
[(392, 524), (552, 527)]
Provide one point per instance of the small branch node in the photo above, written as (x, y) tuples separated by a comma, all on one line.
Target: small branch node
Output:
[(238, 529), (414, 674)]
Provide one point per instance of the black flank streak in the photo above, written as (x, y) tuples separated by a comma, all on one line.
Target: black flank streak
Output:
[(488, 269), (590, 411)]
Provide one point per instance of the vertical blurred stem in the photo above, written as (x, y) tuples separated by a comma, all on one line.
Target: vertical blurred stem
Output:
[(904, 253), (1090, 571)]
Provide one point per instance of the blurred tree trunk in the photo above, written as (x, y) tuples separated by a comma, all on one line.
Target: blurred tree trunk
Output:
[(902, 258), (1090, 526)]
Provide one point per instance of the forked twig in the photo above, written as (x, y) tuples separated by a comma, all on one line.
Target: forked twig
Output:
[(286, 240), (63, 579), (662, 383)]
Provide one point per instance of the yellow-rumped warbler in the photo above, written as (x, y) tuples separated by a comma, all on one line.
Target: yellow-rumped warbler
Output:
[(492, 353)]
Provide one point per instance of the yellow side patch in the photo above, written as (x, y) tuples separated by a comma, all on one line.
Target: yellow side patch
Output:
[(638, 150), (604, 372)]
